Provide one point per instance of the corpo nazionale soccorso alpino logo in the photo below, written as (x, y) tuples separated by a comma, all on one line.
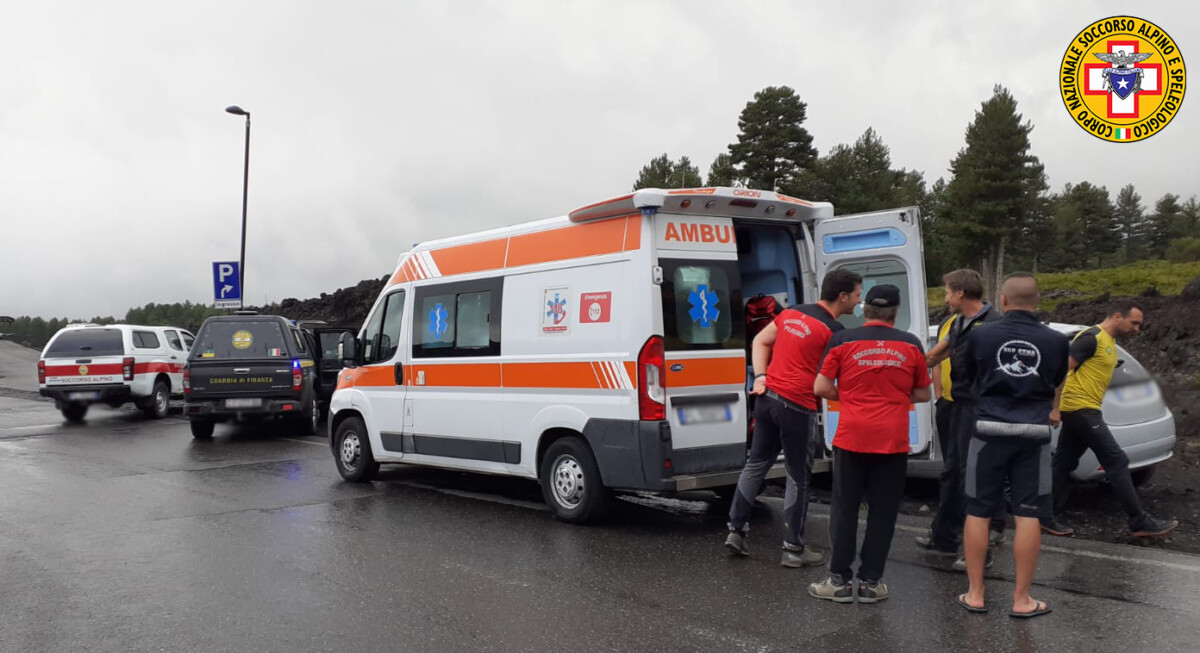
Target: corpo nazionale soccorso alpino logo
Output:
[(1122, 79)]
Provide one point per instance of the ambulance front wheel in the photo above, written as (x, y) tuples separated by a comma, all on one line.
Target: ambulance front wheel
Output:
[(352, 452), (571, 482)]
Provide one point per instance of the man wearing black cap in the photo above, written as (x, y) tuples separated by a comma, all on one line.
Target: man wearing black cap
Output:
[(880, 372)]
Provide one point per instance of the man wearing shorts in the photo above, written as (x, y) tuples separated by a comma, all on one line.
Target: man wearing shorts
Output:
[(1018, 365)]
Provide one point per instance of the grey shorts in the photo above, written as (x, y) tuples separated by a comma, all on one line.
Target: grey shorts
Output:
[(1024, 463)]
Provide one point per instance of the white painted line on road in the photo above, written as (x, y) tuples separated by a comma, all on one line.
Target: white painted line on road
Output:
[(318, 444)]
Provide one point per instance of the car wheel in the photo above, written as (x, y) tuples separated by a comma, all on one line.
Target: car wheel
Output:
[(571, 482), (74, 412), (202, 428), (310, 419), (352, 452), (1142, 476), (159, 402)]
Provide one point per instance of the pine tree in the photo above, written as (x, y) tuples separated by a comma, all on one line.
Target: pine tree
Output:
[(661, 172), (722, 172), (997, 186), (1084, 226), (860, 178), (773, 147), (1164, 224), (1131, 224)]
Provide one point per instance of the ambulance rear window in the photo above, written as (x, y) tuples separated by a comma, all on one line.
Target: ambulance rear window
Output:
[(86, 342), (702, 305), (240, 340)]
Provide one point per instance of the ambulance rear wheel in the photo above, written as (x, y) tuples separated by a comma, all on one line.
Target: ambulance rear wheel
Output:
[(74, 412), (571, 482), (202, 429)]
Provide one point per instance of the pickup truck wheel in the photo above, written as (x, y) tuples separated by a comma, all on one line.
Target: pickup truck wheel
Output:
[(74, 412), (159, 402), (310, 419), (202, 429), (352, 452), (571, 482)]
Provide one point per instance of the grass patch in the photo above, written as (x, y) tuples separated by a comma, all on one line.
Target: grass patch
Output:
[(1123, 281)]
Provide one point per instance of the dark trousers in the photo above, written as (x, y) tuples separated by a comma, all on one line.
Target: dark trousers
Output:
[(947, 525), (880, 477), (1083, 430), (778, 426)]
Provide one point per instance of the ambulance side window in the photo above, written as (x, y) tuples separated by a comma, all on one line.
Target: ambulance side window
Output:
[(702, 305), (873, 274), (458, 319), (382, 335)]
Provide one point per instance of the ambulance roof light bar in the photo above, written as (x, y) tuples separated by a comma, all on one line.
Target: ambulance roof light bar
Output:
[(723, 201)]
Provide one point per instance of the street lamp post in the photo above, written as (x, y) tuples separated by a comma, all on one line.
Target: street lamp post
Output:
[(238, 111)]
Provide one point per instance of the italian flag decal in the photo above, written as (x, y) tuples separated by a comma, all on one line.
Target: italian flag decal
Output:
[(1122, 134)]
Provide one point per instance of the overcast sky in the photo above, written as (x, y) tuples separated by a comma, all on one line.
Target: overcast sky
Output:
[(381, 124)]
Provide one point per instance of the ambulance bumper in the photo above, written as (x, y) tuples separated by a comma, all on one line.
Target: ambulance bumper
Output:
[(637, 455)]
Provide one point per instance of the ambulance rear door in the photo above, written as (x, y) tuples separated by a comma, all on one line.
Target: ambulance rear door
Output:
[(704, 341), (885, 248)]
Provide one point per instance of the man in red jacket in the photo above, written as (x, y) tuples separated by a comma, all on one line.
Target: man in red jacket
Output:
[(880, 372)]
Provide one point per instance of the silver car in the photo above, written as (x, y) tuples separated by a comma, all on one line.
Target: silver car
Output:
[(1135, 412)]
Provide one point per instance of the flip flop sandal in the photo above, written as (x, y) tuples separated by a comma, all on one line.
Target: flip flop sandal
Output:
[(962, 600), (1042, 608)]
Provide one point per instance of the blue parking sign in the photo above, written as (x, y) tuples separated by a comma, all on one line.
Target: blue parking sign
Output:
[(227, 285)]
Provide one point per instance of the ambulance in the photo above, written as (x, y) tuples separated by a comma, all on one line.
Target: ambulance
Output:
[(602, 351)]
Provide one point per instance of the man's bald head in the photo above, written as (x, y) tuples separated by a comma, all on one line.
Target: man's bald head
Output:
[(1020, 292)]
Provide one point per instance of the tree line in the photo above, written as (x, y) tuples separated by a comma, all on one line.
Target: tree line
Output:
[(36, 331), (995, 213)]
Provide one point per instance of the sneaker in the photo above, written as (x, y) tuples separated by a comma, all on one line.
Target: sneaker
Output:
[(995, 538), (805, 557), (961, 563), (872, 592), (736, 543), (925, 543), (1051, 526), (1151, 527), (831, 590)]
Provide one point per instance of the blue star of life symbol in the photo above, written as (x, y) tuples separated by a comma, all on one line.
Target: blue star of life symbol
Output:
[(439, 321), (558, 309), (704, 306)]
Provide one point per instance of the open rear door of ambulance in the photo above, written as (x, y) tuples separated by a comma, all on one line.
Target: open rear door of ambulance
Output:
[(883, 247)]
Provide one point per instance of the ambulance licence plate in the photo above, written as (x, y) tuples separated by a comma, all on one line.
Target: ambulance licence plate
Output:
[(243, 403), (705, 414), (77, 396)]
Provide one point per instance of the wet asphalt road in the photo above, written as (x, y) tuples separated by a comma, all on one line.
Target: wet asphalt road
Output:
[(127, 535)]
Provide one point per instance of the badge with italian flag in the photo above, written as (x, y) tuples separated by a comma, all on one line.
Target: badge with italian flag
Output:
[(1122, 133)]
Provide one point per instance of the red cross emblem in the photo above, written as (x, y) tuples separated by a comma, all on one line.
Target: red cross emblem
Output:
[(1129, 107)]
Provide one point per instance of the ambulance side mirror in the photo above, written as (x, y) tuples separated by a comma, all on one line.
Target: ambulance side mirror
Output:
[(348, 350)]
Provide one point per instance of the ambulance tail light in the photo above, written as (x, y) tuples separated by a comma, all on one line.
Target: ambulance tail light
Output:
[(297, 375), (127, 369), (187, 381), (652, 380), (42, 372)]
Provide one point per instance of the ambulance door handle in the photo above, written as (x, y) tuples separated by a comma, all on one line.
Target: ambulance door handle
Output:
[(399, 373)]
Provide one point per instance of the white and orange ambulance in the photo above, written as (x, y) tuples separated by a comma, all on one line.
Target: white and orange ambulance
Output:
[(603, 350)]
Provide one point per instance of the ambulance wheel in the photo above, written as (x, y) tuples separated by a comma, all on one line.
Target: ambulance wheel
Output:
[(571, 482), (352, 452), (74, 412), (202, 429), (158, 404)]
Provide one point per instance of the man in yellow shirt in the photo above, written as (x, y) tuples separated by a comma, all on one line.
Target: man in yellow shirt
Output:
[(1093, 359)]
